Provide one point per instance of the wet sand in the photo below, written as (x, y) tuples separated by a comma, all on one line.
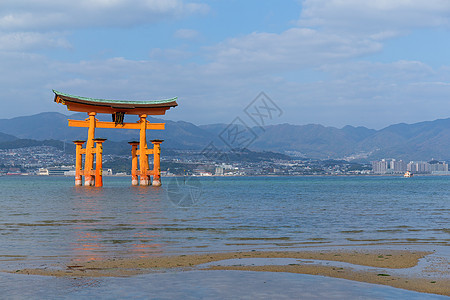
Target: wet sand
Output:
[(388, 259)]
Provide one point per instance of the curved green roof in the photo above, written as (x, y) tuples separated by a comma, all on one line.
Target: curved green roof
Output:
[(106, 101)]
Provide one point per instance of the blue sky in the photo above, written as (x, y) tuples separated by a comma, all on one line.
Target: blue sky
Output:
[(332, 62)]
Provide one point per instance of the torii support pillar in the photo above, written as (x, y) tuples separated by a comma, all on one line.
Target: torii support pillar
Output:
[(99, 162), (89, 161), (143, 156), (78, 162), (156, 162), (134, 163)]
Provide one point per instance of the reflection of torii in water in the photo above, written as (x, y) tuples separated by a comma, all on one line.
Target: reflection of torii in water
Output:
[(117, 108)]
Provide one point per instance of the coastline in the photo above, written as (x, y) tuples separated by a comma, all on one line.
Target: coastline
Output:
[(240, 176), (360, 266)]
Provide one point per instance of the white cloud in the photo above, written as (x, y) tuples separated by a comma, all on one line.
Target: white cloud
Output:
[(25, 15), (369, 94), (29, 24), (170, 55), (355, 16), (292, 49), (329, 31), (357, 93), (19, 41), (395, 72), (186, 34), (310, 70)]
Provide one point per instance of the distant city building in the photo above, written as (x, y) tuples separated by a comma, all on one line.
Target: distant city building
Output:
[(107, 172), (205, 174), (438, 166), (59, 171), (398, 166), (419, 167), (380, 167), (416, 167), (42, 172), (219, 171)]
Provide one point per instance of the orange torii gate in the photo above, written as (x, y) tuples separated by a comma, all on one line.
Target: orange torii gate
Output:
[(94, 146)]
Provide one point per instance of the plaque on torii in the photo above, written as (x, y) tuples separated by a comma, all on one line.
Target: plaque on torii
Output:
[(140, 172)]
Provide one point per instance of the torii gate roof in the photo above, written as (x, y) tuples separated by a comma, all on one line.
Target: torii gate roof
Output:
[(85, 104)]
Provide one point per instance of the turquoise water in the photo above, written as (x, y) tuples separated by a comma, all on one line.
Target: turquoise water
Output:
[(45, 220)]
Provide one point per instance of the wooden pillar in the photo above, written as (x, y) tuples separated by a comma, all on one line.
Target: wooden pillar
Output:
[(99, 162), (143, 156), (89, 161), (156, 162), (78, 162), (134, 163)]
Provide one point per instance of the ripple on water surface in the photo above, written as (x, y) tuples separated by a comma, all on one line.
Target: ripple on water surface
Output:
[(49, 217)]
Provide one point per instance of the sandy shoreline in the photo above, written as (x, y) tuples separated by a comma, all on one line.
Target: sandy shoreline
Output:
[(388, 259)]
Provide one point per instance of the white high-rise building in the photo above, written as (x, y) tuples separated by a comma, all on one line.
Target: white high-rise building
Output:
[(380, 167), (398, 166), (418, 167), (219, 171), (439, 167)]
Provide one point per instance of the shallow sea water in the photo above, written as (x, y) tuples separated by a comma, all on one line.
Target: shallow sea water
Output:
[(201, 285), (46, 220)]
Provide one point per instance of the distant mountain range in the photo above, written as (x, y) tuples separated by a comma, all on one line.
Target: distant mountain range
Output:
[(419, 141)]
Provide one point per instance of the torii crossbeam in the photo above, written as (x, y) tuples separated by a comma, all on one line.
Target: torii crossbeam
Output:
[(118, 109)]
